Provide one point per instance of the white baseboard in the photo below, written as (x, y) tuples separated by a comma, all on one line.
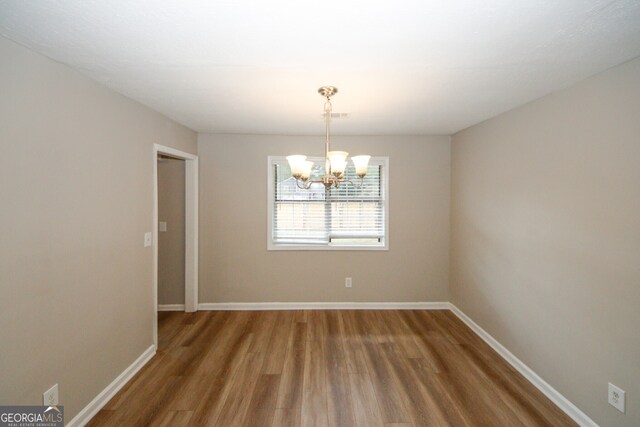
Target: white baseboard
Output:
[(105, 395), (324, 306), (170, 307), (554, 395)]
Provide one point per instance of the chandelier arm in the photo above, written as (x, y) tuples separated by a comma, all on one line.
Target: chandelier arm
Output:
[(305, 185), (332, 182), (358, 186)]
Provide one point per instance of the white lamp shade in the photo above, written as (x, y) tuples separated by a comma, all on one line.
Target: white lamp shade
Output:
[(338, 160), (362, 164), (306, 169), (296, 164)]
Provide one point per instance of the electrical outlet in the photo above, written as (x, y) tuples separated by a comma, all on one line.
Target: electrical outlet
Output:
[(50, 397), (616, 397), (347, 282), (147, 239)]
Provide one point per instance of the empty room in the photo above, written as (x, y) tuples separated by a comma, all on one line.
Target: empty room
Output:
[(292, 213)]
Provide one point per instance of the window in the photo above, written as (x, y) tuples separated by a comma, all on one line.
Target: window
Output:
[(341, 218)]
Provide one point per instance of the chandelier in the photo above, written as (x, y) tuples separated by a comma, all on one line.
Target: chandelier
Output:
[(335, 161)]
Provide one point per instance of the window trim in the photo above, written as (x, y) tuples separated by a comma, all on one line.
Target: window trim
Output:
[(271, 246)]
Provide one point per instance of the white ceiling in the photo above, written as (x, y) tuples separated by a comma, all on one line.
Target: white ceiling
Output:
[(402, 67)]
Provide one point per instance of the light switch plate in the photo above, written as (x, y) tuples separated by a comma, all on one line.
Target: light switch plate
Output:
[(162, 225), (147, 239), (616, 397)]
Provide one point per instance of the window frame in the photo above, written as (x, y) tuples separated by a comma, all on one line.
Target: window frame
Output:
[(272, 246)]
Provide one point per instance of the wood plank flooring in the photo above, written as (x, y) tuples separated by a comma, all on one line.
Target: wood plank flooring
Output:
[(325, 368)]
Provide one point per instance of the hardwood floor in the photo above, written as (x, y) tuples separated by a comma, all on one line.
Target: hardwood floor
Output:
[(325, 368)]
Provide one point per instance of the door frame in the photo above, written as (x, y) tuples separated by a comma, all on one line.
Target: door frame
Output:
[(191, 231)]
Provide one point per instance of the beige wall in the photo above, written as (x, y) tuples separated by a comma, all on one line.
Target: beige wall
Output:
[(235, 265), (546, 237), (76, 180), (171, 242)]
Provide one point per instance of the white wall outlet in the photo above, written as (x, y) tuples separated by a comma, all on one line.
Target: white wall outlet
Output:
[(162, 225), (616, 397), (147, 239), (347, 282), (50, 397)]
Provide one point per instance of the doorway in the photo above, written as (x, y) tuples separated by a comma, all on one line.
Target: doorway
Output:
[(171, 235), (189, 197)]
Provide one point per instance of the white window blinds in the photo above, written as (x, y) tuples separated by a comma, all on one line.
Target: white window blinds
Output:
[(346, 216)]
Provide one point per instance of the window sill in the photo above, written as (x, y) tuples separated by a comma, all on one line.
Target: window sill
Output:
[(290, 247)]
